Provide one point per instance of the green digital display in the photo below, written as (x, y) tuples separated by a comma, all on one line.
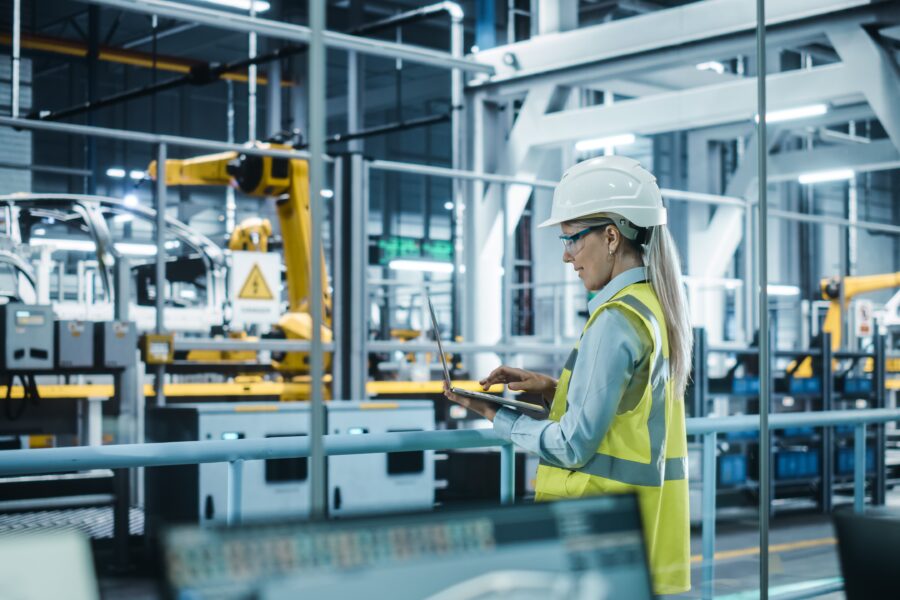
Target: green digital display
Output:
[(393, 247)]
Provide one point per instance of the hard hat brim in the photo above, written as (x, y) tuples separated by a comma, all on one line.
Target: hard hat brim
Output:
[(640, 216)]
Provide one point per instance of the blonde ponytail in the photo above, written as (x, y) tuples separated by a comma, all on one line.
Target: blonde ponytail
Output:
[(664, 268)]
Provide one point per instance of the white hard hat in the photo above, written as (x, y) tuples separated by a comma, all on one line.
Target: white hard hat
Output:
[(608, 184)]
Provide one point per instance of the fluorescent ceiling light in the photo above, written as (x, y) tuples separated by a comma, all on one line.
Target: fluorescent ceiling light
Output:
[(428, 266), (260, 6), (327, 193), (40, 231), (129, 249), (791, 114), (448, 205), (115, 172), (136, 249), (783, 290), (712, 65), (712, 283), (130, 200), (136, 174), (823, 176), (624, 139)]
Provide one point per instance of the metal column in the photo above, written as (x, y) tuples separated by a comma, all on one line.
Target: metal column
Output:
[(251, 80), (859, 468), (457, 157), (708, 502), (339, 332), (700, 381), (749, 291), (764, 377), (160, 279), (357, 295), (230, 201), (235, 488), (126, 483), (827, 492), (350, 282), (878, 385), (508, 266), (317, 117), (273, 97), (16, 55), (507, 474)]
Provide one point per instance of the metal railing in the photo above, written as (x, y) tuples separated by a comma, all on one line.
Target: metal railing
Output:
[(235, 452)]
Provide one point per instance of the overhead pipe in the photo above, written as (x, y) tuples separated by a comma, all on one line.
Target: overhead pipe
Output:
[(121, 56), (404, 125), (296, 33), (206, 73)]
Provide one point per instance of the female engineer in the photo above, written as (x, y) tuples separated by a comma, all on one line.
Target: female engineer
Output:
[(616, 421)]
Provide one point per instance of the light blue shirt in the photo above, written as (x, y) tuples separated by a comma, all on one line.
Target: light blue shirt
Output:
[(613, 358)]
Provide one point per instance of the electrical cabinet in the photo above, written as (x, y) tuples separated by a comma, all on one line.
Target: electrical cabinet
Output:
[(26, 335), (115, 344), (74, 344)]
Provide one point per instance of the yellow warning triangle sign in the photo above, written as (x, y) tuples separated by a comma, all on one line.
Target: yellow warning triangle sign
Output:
[(255, 287)]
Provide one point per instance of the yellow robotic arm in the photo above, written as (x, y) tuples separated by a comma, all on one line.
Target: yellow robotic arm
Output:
[(834, 318), (287, 180), (831, 290), (251, 235)]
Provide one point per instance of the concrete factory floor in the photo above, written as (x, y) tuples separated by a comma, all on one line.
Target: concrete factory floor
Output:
[(803, 555)]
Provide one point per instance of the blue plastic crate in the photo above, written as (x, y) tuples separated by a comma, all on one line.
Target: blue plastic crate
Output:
[(857, 385), (742, 435), (732, 470), (845, 459), (796, 464), (745, 386), (805, 385), (798, 431)]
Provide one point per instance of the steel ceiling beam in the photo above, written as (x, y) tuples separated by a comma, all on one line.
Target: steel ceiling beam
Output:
[(874, 71), (696, 107), (689, 34), (879, 155)]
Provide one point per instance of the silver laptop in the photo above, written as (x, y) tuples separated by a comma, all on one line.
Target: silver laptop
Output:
[(537, 408)]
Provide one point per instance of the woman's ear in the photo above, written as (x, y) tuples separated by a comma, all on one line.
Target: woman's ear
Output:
[(612, 238)]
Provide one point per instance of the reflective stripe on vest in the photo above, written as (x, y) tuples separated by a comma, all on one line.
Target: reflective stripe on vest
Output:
[(629, 471)]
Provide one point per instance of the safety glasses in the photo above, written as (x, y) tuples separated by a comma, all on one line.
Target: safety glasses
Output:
[(571, 242)]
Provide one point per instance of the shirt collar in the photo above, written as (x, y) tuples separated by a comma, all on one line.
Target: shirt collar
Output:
[(616, 285)]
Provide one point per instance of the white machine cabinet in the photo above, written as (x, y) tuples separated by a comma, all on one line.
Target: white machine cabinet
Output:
[(270, 487), (372, 483), (359, 484)]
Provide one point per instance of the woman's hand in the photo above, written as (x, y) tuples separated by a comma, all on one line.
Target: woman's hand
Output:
[(520, 380), (485, 409)]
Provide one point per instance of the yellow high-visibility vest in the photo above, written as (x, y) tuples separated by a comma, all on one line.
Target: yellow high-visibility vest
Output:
[(644, 451)]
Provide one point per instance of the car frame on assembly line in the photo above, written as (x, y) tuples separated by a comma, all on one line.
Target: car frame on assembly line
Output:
[(196, 268)]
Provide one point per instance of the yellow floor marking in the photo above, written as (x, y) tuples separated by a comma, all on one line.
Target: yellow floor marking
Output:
[(726, 554)]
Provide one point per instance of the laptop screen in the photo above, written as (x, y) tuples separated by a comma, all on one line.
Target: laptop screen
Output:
[(437, 336)]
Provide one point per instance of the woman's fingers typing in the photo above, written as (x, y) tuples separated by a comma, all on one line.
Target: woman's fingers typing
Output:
[(502, 374)]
